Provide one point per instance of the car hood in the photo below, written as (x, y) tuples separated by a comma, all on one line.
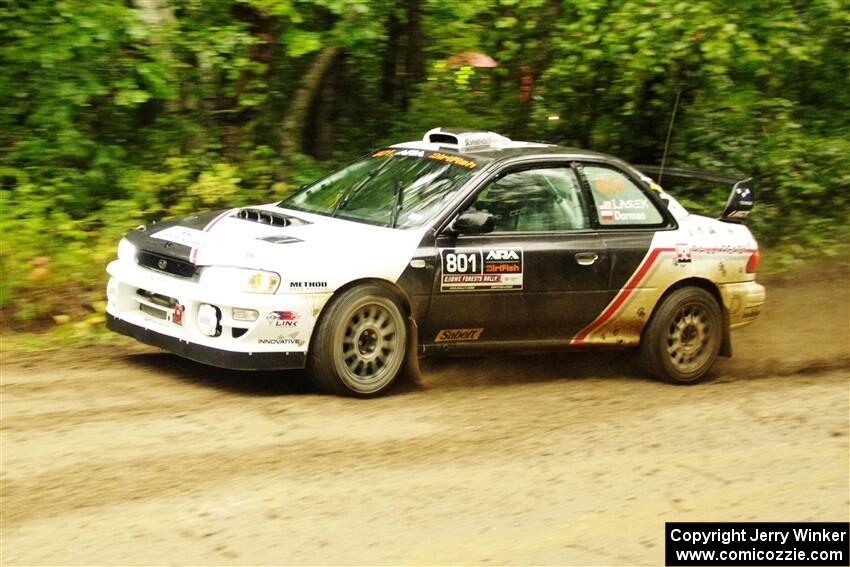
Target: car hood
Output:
[(300, 246)]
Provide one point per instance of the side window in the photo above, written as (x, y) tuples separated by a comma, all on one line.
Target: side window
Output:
[(534, 200), (619, 202)]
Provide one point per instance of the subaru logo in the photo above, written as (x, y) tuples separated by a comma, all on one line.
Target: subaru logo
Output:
[(162, 264)]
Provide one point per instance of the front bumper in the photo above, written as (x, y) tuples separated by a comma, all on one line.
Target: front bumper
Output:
[(209, 355), (166, 311)]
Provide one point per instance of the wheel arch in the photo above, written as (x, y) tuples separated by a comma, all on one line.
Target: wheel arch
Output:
[(410, 369), (710, 287), (393, 288)]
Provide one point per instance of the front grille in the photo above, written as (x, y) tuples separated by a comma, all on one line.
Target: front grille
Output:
[(167, 264), (157, 299), (158, 313), (159, 306)]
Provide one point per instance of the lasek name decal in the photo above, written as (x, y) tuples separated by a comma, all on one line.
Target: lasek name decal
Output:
[(623, 209), (471, 269), (452, 335)]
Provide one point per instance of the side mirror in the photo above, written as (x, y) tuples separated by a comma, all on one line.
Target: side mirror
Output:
[(477, 222), (740, 203)]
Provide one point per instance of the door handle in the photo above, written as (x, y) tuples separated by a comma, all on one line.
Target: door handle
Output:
[(586, 258)]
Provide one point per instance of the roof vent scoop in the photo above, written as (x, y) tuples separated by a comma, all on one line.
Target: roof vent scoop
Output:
[(267, 217), (466, 140)]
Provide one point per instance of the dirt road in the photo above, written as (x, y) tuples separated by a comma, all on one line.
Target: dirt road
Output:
[(132, 456)]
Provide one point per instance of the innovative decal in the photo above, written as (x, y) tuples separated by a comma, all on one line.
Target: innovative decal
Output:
[(475, 269)]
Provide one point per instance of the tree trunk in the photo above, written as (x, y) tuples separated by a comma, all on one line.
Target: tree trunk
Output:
[(414, 62), (296, 116), (159, 16), (320, 127), (389, 80)]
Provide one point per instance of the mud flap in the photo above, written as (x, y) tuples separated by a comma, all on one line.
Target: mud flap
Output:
[(411, 374), (726, 341)]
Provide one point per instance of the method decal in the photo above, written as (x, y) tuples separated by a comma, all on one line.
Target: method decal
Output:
[(471, 269)]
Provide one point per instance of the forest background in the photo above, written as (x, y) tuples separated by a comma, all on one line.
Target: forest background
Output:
[(119, 112)]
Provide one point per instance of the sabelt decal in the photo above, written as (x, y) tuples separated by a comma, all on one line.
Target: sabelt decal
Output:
[(474, 269), (453, 335)]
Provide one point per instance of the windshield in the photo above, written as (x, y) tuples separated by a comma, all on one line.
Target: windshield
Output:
[(393, 187)]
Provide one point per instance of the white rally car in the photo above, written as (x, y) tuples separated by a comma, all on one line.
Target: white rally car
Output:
[(463, 241)]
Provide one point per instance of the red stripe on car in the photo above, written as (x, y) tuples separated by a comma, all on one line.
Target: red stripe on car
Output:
[(194, 254), (624, 294)]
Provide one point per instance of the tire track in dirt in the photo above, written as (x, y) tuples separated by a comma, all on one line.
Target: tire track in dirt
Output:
[(130, 455)]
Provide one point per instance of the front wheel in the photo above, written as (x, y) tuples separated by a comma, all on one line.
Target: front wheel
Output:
[(681, 342), (360, 343)]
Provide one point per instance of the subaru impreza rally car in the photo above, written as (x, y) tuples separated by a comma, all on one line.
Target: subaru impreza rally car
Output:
[(463, 241)]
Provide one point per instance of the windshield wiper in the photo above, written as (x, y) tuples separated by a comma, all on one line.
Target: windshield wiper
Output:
[(398, 201), (351, 191)]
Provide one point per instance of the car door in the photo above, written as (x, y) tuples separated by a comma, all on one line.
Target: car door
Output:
[(537, 278), (628, 216)]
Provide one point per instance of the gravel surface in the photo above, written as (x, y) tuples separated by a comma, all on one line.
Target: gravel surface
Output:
[(131, 456)]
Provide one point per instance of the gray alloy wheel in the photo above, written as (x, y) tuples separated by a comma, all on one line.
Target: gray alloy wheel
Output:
[(682, 340), (690, 338), (360, 344)]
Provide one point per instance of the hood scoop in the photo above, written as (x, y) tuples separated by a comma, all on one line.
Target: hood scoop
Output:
[(281, 239), (262, 216)]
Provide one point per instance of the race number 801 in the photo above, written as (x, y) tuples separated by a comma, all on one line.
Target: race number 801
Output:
[(461, 263)]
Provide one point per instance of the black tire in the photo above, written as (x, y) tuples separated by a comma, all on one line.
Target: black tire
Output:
[(682, 340), (359, 346)]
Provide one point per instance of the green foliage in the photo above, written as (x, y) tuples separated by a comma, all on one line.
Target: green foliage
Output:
[(117, 113)]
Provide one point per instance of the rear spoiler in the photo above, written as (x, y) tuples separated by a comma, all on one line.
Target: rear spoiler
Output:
[(741, 199)]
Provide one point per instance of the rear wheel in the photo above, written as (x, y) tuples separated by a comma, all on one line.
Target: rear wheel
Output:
[(360, 343), (681, 342)]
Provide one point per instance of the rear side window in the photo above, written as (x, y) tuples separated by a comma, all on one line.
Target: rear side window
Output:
[(618, 201)]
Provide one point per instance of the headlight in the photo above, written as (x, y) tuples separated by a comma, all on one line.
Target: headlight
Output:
[(126, 251), (248, 281)]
